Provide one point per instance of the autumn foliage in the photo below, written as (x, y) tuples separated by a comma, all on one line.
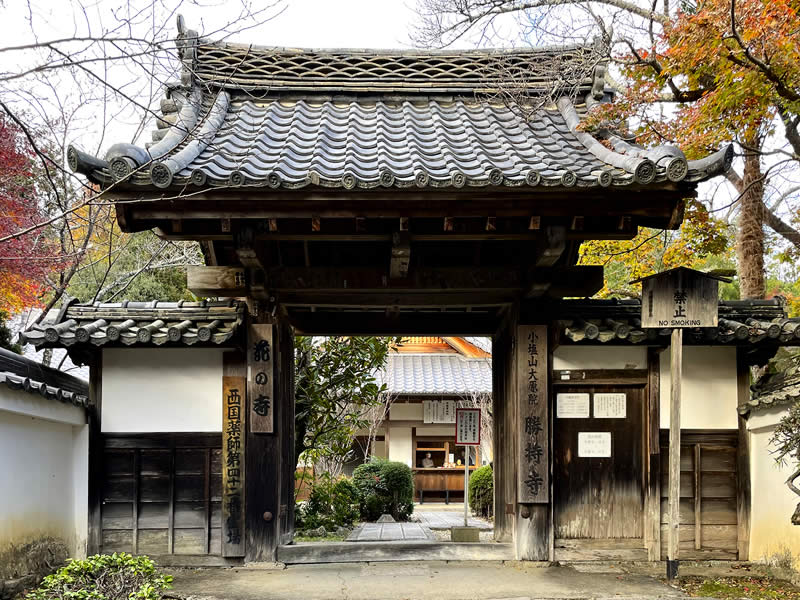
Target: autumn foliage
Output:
[(27, 259)]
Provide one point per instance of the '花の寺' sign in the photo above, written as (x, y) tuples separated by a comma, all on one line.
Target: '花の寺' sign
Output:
[(533, 475), (680, 298), (233, 436), (468, 426), (259, 378)]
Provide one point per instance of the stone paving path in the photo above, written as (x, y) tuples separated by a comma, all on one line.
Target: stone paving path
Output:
[(446, 520), (391, 532)]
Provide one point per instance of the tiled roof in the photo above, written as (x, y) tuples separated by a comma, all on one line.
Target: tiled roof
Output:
[(436, 374), (484, 343), (741, 322), (352, 143), (139, 323), (20, 373), (278, 118), (59, 358), (775, 389)]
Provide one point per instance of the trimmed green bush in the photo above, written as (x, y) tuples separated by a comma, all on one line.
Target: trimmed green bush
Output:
[(385, 487), (117, 576), (333, 503), (481, 490)]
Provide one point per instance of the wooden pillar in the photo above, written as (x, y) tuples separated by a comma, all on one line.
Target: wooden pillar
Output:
[(743, 491), (94, 541), (503, 462), (652, 513), (676, 350), (285, 377), (532, 452), (269, 457)]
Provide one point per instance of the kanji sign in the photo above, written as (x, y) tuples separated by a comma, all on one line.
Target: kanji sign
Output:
[(260, 378), (533, 441), (680, 298), (468, 426), (233, 437)]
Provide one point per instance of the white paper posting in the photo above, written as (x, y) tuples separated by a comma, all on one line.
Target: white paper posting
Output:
[(594, 444), (610, 406), (572, 406)]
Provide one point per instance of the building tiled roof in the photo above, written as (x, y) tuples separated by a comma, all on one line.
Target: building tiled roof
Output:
[(484, 343), (741, 322), (59, 357), (436, 374), (139, 323), (20, 373), (775, 389), (352, 119)]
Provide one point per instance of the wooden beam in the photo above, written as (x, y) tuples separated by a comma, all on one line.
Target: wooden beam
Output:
[(652, 515), (743, 489), (245, 244), (396, 298), (401, 255), (216, 281), (676, 350), (97, 476), (551, 246), (411, 323)]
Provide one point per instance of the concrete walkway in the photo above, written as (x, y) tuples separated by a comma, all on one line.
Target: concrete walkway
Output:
[(390, 532), (420, 581), (446, 519)]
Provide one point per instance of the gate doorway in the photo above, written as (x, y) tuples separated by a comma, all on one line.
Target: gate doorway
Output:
[(599, 440)]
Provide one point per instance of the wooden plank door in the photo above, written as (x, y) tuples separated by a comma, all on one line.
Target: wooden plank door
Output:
[(600, 498)]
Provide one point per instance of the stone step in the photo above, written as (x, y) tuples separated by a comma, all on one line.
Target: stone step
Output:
[(339, 552)]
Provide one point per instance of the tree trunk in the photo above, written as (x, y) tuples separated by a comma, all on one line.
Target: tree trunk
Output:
[(750, 232)]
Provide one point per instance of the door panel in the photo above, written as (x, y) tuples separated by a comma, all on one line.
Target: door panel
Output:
[(600, 498)]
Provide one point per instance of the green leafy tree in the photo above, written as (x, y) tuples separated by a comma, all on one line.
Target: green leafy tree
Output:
[(335, 389)]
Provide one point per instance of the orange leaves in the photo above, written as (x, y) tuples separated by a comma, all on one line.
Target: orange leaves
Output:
[(730, 78)]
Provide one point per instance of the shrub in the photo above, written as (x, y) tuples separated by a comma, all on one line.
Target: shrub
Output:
[(481, 490), (105, 577), (333, 503), (385, 487)]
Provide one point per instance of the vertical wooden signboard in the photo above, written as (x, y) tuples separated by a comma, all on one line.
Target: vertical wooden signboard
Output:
[(260, 378), (233, 436), (533, 443)]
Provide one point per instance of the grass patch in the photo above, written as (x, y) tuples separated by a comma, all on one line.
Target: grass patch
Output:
[(731, 588), (328, 538)]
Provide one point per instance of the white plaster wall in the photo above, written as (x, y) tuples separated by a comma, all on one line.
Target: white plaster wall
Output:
[(400, 444), (162, 390), (379, 449), (406, 411), (571, 358), (709, 394), (80, 489), (772, 503), (43, 473)]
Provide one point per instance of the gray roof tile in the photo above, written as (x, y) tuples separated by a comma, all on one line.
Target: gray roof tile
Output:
[(139, 323), (436, 374)]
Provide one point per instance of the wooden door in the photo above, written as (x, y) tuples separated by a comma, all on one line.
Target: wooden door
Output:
[(708, 512), (600, 498)]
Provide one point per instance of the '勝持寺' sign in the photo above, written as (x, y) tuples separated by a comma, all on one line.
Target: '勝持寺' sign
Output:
[(468, 426), (533, 442), (679, 298), (260, 378)]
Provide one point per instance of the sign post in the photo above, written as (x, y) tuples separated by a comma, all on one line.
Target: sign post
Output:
[(677, 299), (468, 433)]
